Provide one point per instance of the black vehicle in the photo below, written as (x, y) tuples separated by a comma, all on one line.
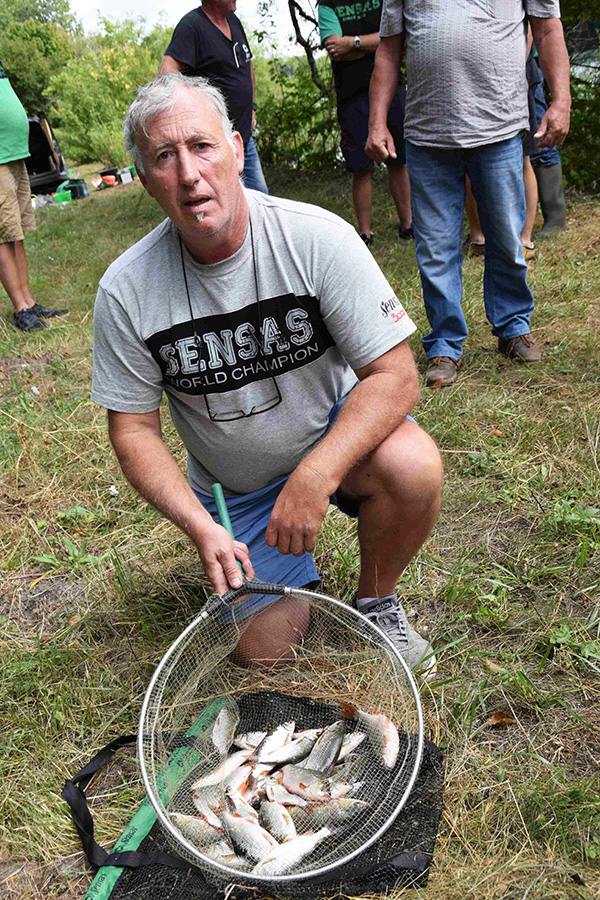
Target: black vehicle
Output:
[(46, 166)]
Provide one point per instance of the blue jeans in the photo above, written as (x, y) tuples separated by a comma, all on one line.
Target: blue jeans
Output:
[(545, 156), (253, 173), (437, 184)]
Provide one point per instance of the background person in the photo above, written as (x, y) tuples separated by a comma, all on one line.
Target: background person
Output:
[(547, 168), (465, 111), (475, 243), (350, 35), (211, 41), (16, 212), (282, 350)]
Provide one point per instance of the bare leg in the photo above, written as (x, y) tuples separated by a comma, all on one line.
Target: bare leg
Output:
[(13, 274), (531, 200), (399, 187), (362, 194), (473, 216), (399, 486), (272, 636)]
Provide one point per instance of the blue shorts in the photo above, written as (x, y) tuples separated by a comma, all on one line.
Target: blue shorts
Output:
[(250, 514), (353, 117)]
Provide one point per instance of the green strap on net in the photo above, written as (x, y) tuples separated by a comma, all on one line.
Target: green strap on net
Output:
[(180, 763)]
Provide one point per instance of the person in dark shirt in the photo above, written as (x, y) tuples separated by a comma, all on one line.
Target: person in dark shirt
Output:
[(211, 41), (350, 35)]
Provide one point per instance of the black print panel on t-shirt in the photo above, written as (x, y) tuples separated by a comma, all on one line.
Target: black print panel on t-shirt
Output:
[(241, 347)]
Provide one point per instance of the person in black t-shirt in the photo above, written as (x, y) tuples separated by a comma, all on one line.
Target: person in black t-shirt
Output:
[(350, 35), (211, 41)]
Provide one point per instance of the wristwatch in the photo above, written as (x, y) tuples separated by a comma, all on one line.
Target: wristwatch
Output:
[(357, 42), (254, 107)]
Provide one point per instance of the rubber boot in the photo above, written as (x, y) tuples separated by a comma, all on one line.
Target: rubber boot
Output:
[(552, 200)]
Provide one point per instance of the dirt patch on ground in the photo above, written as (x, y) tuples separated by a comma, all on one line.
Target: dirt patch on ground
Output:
[(36, 602), (12, 366)]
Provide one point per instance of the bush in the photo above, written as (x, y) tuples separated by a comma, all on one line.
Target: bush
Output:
[(32, 52), (297, 124), (93, 92)]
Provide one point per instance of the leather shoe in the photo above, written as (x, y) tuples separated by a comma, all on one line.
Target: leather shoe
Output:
[(521, 347), (442, 371)]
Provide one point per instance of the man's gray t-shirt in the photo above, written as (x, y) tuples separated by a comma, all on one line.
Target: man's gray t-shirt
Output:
[(465, 67), (325, 309)]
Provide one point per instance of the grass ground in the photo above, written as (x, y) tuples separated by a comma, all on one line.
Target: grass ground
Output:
[(95, 585)]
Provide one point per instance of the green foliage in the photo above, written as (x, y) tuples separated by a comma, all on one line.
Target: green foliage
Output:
[(55, 12), (297, 124), (32, 52), (92, 93)]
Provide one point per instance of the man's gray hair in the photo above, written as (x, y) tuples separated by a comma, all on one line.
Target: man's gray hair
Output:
[(160, 95)]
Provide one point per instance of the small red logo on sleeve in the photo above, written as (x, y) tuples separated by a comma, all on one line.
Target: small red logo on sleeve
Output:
[(392, 308)]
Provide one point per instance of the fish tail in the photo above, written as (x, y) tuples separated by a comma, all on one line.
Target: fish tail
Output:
[(347, 710)]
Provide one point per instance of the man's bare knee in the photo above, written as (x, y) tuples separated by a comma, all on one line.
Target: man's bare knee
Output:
[(273, 636)]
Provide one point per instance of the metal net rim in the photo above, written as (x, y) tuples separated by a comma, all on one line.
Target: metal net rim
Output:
[(250, 877)]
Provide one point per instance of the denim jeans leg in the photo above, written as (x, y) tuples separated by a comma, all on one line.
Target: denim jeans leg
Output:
[(496, 173), (253, 173), (437, 185), (543, 156)]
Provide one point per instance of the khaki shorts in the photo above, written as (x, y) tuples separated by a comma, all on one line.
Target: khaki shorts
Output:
[(16, 211)]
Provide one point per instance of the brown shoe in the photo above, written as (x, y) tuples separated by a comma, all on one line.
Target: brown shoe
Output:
[(473, 248), (521, 347), (442, 371), (528, 252)]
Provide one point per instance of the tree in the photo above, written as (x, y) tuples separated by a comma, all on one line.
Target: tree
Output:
[(93, 92), (32, 52), (52, 12)]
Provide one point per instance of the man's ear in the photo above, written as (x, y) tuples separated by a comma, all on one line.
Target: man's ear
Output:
[(238, 146)]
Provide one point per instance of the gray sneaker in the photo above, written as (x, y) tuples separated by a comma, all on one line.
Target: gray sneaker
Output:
[(388, 615)]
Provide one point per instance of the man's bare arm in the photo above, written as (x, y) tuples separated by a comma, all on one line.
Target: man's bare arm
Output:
[(388, 389), (554, 59), (384, 81), (169, 64), (340, 46), (149, 466)]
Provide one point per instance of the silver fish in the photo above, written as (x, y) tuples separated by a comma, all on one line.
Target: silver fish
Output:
[(275, 739), (239, 804), (224, 853), (350, 743), (229, 765), (288, 855), (224, 729), (308, 732), (276, 793), (249, 740), (307, 784), (248, 836), (209, 801), (239, 778), (277, 820), (325, 752), (334, 812), (291, 752), (196, 829), (381, 730)]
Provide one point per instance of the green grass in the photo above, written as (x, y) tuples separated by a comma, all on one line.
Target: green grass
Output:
[(95, 586)]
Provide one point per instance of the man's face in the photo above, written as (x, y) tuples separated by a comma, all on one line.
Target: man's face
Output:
[(191, 168)]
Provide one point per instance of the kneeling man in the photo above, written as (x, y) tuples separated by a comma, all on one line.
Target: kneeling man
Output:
[(282, 350)]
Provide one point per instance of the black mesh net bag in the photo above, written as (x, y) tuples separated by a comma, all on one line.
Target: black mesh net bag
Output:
[(284, 773)]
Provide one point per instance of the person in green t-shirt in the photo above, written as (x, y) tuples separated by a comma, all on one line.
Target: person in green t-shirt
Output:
[(16, 212), (350, 35)]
